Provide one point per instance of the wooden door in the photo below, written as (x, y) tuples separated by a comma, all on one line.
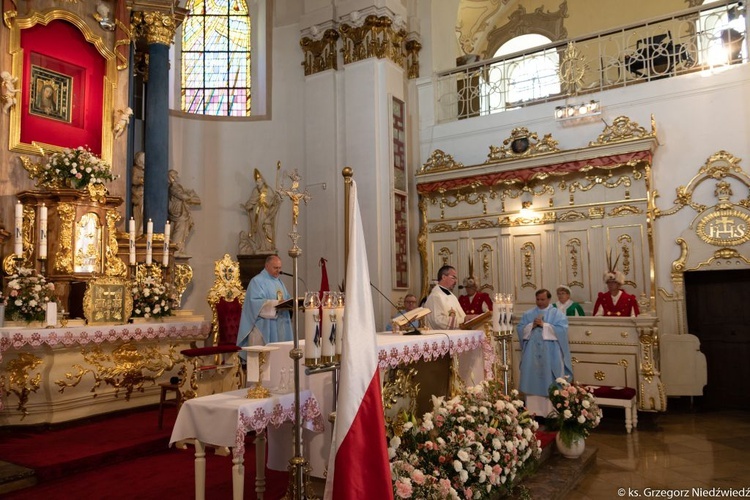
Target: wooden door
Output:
[(718, 313)]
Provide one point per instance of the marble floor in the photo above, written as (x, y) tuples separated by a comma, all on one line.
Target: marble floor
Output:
[(678, 450)]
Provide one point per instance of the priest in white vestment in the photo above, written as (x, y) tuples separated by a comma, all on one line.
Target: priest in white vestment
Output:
[(445, 311)]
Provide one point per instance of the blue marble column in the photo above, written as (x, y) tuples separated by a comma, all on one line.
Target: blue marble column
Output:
[(156, 182)]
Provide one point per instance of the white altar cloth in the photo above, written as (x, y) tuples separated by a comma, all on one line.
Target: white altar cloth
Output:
[(474, 352), (224, 419)]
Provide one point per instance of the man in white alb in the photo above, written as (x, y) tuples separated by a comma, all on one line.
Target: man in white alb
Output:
[(445, 311)]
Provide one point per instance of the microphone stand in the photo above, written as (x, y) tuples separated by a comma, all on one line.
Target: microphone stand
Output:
[(414, 330), (298, 277)]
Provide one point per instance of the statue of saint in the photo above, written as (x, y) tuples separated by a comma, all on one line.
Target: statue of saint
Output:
[(262, 208), (180, 200), (136, 190)]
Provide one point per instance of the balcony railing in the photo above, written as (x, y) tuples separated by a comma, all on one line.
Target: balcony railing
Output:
[(705, 37)]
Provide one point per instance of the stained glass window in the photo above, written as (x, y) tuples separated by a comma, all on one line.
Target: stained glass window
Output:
[(216, 58)]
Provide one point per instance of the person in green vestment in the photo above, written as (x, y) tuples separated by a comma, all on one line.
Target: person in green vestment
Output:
[(566, 304)]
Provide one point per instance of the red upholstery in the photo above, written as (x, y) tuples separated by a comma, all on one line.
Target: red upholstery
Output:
[(614, 393), (229, 314)]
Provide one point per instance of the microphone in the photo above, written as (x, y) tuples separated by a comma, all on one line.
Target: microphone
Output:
[(413, 331), (292, 276), (460, 287)]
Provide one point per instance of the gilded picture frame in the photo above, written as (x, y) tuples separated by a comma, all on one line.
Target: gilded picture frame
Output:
[(68, 113), (107, 301)]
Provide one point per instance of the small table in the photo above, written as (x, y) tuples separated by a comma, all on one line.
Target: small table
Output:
[(224, 419)]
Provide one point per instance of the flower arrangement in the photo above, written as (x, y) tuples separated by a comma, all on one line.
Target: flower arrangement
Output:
[(28, 295), (152, 299), (576, 412), (471, 446), (75, 168)]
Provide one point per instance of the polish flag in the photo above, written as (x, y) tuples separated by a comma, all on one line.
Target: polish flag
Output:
[(358, 466)]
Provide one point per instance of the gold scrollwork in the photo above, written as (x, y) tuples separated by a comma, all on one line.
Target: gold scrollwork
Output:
[(183, 275), (623, 129), (377, 37), (107, 300), (527, 257), (574, 248), (724, 228), (570, 215), (19, 381), (113, 265), (625, 210), (599, 375), (520, 143), (445, 256), (64, 258), (399, 390), (439, 161), (412, 48), (320, 55), (596, 181), (154, 26), (129, 367)]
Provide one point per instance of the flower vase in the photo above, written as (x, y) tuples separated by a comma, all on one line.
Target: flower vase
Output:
[(576, 448)]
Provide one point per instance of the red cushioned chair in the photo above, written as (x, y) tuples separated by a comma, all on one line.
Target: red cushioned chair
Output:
[(217, 367)]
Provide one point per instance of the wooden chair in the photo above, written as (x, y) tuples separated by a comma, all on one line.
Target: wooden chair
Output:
[(217, 368)]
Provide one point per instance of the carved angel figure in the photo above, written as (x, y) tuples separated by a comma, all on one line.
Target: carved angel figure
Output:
[(121, 121), (9, 90)]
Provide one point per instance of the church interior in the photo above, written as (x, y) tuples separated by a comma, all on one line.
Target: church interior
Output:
[(168, 147)]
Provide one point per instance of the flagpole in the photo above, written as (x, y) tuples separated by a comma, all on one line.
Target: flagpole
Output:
[(347, 173)]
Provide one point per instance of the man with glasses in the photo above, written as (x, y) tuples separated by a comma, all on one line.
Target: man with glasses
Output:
[(445, 311), (410, 303)]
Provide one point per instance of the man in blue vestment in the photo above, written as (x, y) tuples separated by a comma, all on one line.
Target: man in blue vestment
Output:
[(545, 353), (261, 323)]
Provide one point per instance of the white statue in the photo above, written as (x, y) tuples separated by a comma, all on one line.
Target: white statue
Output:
[(262, 208), (180, 200), (9, 91), (121, 121)]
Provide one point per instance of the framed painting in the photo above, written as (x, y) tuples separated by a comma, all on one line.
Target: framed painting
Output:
[(50, 94), (400, 243), (66, 75)]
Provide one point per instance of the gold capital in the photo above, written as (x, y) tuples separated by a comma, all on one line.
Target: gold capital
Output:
[(156, 27)]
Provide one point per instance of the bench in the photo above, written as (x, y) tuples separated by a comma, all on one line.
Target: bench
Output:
[(619, 397)]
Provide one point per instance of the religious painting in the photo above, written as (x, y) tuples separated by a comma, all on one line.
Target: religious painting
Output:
[(400, 244), (399, 145), (51, 94), (67, 76)]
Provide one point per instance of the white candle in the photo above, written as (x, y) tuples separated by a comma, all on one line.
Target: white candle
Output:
[(328, 348), (312, 326), (496, 310), (165, 256), (18, 243), (51, 313), (131, 242), (149, 242), (339, 329), (43, 232)]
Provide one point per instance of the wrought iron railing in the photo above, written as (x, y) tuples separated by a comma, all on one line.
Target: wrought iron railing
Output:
[(706, 37)]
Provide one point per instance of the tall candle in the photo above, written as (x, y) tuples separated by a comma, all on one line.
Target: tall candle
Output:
[(339, 329), (312, 336), (43, 232), (496, 311), (149, 242), (165, 256), (18, 243), (328, 333), (131, 231)]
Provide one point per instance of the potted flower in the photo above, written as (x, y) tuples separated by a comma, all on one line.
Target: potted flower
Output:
[(575, 415), (152, 299), (471, 446), (28, 295)]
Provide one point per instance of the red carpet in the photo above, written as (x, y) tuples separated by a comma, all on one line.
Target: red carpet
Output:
[(124, 456)]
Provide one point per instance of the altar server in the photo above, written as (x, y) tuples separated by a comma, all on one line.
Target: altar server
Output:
[(445, 311), (545, 353), (261, 323)]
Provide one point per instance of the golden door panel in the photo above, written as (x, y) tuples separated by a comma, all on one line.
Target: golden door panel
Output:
[(527, 265)]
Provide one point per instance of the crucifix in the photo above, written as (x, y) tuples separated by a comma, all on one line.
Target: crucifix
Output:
[(296, 196)]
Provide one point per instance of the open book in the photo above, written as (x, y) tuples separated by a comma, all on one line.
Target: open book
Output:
[(476, 322), (409, 316), (289, 303)]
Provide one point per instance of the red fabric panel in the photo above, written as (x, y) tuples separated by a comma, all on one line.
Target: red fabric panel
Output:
[(61, 47), (612, 393), (527, 174), (229, 314), (208, 351), (364, 445)]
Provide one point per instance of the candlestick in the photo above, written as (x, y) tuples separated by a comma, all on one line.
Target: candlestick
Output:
[(43, 232), (18, 243), (149, 242), (165, 256), (131, 242)]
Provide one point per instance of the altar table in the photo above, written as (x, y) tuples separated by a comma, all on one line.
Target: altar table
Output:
[(224, 419), (64, 373), (475, 357)]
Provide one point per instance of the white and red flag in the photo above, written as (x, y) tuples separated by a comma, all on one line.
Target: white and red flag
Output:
[(358, 466)]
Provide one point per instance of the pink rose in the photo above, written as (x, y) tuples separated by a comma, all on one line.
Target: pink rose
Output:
[(417, 476), (403, 489)]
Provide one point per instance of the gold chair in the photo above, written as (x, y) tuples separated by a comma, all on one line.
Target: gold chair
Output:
[(217, 368)]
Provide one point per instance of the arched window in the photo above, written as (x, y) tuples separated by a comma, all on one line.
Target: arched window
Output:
[(216, 58), (525, 78)]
